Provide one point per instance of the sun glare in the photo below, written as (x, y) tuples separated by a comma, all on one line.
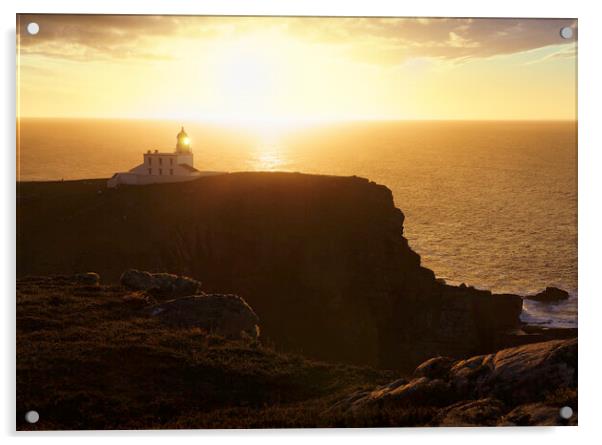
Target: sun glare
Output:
[(246, 77), (276, 70), (246, 72)]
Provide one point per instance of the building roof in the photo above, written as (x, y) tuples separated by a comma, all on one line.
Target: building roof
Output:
[(157, 153), (189, 168)]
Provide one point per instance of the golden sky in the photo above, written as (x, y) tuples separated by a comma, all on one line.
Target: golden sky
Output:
[(271, 68)]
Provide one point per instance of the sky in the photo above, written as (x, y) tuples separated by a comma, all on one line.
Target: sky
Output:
[(295, 68)]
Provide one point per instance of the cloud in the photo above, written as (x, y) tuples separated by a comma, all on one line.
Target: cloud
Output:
[(100, 37), (562, 53), (373, 40), (393, 40)]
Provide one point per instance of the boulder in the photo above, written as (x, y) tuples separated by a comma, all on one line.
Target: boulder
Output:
[(549, 295), (347, 403), (417, 392), (465, 374), (163, 285), (421, 391), (225, 315), (540, 414), (88, 278), (518, 375), (435, 368), (137, 279), (482, 412)]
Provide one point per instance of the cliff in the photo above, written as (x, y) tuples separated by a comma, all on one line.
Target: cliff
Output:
[(322, 260)]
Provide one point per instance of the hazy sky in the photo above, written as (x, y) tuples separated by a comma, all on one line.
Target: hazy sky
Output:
[(295, 68)]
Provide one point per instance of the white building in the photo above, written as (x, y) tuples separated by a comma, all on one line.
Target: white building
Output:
[(162, 167)]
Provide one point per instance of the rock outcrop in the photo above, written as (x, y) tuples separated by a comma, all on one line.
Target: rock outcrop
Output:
[(88, 278), (521, 374), (225, 315), (435, 368), (508, 387), (162, 285), (322, 260), (540, 414), (549, 295), (481, 412)]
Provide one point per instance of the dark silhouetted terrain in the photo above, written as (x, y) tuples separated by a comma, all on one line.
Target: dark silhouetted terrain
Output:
[(91, 357), (321, 259), (344, 307)]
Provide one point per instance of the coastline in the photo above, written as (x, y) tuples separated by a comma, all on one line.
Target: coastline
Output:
[(555, 315), (320, 245)]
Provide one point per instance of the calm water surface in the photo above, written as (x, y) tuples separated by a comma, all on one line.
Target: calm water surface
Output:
[(491, 204)]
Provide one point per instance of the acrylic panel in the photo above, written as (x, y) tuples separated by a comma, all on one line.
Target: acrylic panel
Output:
[(295, 222)]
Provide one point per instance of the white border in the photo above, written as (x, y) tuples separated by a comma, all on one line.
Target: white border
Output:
[(590, 216)]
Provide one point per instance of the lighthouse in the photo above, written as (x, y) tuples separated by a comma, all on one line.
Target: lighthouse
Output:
[(162, 166), (183, 150)]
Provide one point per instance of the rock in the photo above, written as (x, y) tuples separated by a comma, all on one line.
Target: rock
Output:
[(174, 285), (536, 414), (226, 315), (137, 279), (482, 412), (396, 384), (465, 374), (88, 278), (160, 284), (481, 389), (418, 392), (519, 375), (139, 299), (456, 321), (435, 368), (345, 404), (550, 295)]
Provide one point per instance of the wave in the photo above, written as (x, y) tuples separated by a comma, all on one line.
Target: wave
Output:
[(555, 315)]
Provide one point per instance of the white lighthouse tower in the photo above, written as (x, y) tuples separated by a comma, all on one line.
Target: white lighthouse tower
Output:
[(159, 167)]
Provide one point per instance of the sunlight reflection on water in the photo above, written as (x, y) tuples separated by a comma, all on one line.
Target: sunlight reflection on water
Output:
[(268, 159)]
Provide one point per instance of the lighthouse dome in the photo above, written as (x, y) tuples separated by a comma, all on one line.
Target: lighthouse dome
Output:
[(183, 141)]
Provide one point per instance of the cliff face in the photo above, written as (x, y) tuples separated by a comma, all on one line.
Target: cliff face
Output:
[(322, 260)]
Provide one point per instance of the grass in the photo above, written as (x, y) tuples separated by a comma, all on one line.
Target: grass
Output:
[(89, 358)]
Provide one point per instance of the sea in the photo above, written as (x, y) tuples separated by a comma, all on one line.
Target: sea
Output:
[(492, 204)]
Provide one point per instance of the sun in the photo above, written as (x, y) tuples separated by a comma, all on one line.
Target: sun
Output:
[(247, 77)]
